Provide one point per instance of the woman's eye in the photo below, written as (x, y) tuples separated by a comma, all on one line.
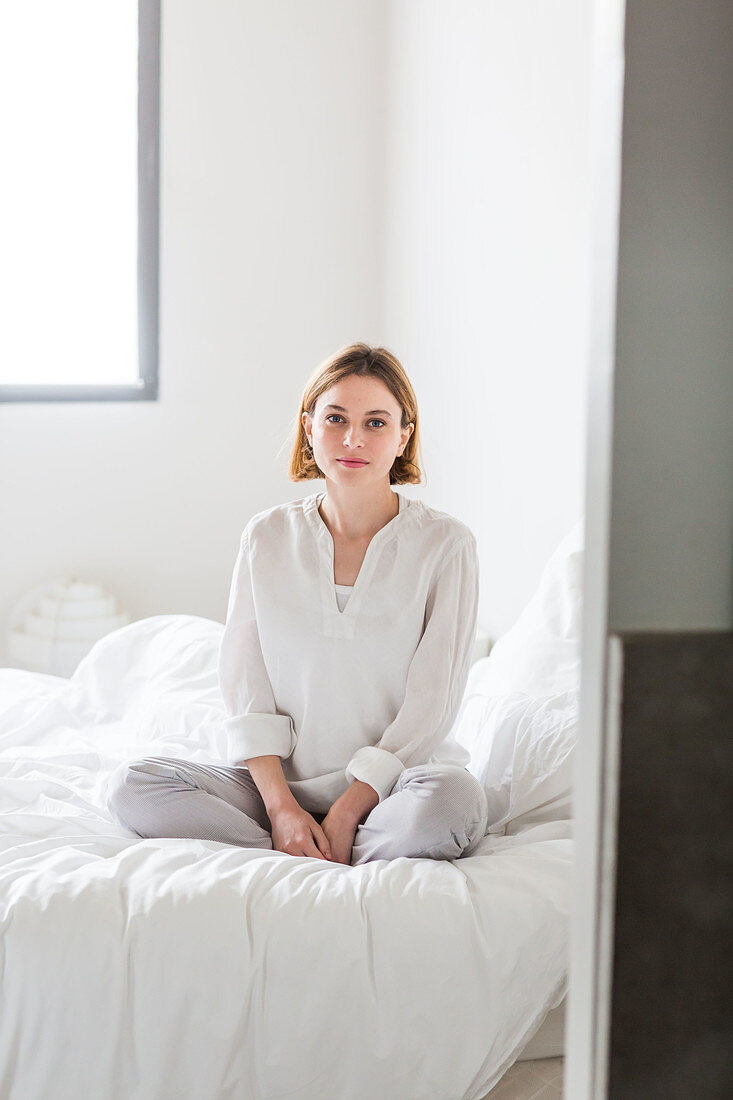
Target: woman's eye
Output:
[(336, 416)]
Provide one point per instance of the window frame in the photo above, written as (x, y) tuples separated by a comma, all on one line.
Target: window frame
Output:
[(148, 248)]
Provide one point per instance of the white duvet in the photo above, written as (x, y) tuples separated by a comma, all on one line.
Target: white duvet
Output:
[(176, 968)]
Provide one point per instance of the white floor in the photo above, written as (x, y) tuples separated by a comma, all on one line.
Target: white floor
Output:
[(537, 1080)]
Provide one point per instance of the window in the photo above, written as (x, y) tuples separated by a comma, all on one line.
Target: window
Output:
[(79, 87)]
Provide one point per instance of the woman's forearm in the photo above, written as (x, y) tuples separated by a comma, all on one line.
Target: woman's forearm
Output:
[(358, 800), (267, 772)]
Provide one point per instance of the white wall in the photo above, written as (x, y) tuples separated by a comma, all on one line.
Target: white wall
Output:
[(407, 173), (488, 222), (272, 121)]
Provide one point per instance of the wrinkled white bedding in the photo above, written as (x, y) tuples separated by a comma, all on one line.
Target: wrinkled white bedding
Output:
[(153, 969)]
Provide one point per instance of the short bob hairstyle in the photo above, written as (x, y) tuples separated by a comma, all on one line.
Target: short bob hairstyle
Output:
[(363, 360)]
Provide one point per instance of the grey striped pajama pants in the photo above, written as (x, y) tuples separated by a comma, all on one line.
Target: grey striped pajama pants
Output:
[(433, 811)]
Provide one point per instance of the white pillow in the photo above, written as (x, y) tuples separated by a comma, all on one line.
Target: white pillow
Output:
[(159, 676), (522, 755), (519, 714), (540, 654)]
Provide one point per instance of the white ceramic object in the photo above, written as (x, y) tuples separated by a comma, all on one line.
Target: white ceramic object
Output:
[(56, 624)]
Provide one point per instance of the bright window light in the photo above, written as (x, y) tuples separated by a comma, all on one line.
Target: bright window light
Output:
[(68, 215)]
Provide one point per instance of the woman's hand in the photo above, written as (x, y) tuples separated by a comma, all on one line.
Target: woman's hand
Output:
[(296, 832), (340, 828), (345, 817)]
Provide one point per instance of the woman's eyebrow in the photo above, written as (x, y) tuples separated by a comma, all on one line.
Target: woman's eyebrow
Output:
[(340, 408)]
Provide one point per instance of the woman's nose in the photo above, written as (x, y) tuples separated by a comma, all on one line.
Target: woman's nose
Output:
[(351, 436)]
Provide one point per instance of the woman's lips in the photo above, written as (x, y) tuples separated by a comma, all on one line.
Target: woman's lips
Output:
[(351, 462)]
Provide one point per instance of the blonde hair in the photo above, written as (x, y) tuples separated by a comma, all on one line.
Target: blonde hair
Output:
[(362, 360)]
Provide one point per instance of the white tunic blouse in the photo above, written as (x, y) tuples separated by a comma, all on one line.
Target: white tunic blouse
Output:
[(355, 693)]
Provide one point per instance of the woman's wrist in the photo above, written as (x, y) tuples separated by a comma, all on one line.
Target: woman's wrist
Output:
[(358, 800), (273, 806), (268, 776)]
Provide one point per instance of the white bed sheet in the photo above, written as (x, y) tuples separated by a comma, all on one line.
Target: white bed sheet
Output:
[(184, 968)]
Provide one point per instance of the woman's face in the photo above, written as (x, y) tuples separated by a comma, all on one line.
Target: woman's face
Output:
[(364, 426)]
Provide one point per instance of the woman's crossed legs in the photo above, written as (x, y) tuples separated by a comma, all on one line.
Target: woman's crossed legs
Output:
[(435, 811)]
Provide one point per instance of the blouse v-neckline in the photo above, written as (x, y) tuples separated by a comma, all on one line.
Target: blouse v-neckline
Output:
[(337, 623)]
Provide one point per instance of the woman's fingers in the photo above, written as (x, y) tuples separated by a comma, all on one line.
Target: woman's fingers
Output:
[(323, 842), (310, 849), (297, 832)]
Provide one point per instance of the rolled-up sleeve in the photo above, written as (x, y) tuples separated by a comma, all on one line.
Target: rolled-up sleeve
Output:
[(436, 678), (253, 727)]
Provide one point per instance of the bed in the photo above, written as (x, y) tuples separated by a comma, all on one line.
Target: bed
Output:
[(181, 968)]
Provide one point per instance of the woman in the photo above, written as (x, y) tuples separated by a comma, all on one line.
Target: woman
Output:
[(348, 641)]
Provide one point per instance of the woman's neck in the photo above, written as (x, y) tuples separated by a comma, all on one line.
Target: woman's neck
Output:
[(355, 516)]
